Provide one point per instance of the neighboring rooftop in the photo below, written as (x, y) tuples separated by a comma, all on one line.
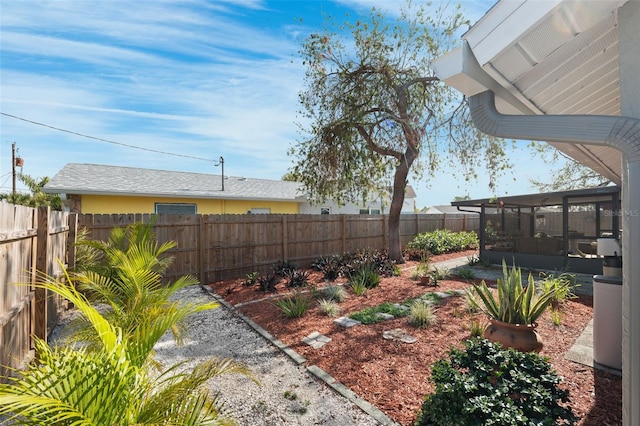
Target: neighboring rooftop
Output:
[(97, 179)]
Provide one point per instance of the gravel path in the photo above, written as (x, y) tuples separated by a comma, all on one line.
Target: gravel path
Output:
[(288, 395)]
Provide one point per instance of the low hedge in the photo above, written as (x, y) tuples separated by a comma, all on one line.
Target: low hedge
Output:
[(444, 241)]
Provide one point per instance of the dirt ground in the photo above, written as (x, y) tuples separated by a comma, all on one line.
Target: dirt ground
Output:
[(394, 376)]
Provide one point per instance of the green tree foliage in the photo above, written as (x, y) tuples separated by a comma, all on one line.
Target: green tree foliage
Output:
[(36, 198), (565, 173), (374, 110)]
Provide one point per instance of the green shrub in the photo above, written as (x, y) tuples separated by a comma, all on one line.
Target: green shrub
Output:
[(366, 275), (251, 279), (378, 260), (267, 283), (561, 286), (297, 278), (330, 266), (283, 268), (111, 378), (487, 385), (444, 241), (294, 306)]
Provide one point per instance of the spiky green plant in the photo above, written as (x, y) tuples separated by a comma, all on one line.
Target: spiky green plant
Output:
[(421, 314), (515, 303), (294, 306), (358, 287), (112, 383), (127, 275)]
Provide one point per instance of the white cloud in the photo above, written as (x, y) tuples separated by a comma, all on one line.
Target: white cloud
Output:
[(198, 78)]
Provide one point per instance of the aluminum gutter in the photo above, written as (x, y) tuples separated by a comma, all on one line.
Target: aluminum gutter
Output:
[(622, 133)]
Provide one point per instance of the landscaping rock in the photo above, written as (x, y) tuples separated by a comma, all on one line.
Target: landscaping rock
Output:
[(399, 334)]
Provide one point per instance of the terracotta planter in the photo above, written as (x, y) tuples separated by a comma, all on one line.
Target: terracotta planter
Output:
[(517, 336)]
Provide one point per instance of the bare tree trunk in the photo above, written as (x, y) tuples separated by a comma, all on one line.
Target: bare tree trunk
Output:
[(397, 201)]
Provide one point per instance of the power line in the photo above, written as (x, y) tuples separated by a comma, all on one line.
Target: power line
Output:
[(105, 140)]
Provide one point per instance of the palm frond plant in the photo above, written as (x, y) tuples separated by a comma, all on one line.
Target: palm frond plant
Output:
[(128, 279), (113, 383)]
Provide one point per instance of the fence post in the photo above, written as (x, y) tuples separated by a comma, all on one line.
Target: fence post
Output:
[(72, 222), (285, 238), (42, 257), (344, 233), (464, 222), (200, 244), (385, 236), (444, 221)]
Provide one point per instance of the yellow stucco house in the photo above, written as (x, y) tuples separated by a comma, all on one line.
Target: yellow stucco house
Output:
[(106, 189)]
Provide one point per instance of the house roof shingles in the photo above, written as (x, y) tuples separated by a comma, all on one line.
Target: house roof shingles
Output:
[(98, 179)]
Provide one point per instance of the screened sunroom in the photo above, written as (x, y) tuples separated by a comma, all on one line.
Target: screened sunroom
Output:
[(554, 231)]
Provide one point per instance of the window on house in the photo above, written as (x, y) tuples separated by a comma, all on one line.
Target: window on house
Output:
[(176, 208), (260, 211), (369, 211)]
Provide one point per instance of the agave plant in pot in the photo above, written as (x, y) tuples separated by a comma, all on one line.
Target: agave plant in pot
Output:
[(514, 311)]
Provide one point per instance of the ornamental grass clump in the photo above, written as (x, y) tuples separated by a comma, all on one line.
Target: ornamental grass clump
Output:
[(329, 307), (515, 303), (421, 314), (336, 293)]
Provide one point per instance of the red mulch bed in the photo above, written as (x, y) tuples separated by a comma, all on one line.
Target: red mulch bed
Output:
[(394, 376)]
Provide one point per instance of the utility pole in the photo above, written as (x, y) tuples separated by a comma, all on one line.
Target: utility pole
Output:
[(221, 164), (13, 166), (15, 161)]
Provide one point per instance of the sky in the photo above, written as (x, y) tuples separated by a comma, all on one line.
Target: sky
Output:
[(176, 85)]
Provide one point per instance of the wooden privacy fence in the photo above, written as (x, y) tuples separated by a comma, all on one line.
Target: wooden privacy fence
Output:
[(211, 247), (217, 247), (30, 240)]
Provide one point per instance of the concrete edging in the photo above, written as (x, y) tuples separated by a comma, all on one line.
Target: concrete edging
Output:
[(316, 371)]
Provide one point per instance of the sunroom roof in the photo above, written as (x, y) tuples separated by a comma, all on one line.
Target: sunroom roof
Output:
[(541, 199)]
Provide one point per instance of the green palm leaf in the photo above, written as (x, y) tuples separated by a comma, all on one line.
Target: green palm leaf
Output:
[(106, 379)]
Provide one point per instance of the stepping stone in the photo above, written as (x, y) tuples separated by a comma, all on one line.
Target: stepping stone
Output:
[(384, 316), (403, 307), (316, 340), (399, 334), (442, 295), (346, 322)]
